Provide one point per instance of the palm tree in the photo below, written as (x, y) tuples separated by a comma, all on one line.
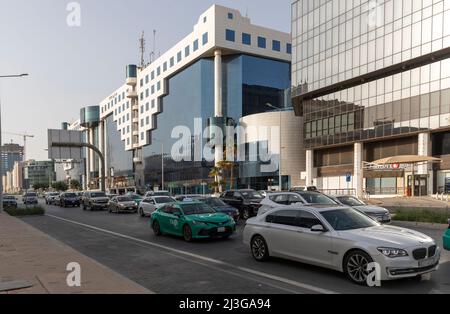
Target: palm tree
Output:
[(215, 173)]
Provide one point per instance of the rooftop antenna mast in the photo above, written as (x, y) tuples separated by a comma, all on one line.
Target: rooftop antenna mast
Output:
[(142, 50)]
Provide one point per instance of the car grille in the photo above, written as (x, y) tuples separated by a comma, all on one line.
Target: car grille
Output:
[(419, 254), (432, 251)]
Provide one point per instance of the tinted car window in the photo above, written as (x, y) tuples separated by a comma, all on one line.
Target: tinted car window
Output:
[(308, 220), (163, 199), (294, 199), (350, 201), (251, 195), (98, 195), (348, 219), (197, 209), (124, 199), (284, 217), (282, 199), (316, 198), (229, 194), (70, 195)]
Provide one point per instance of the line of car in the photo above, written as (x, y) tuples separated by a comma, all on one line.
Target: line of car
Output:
[(341, 233)]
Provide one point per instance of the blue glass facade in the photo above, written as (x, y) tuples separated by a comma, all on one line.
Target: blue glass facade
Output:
[(117, 158), (249, 83)]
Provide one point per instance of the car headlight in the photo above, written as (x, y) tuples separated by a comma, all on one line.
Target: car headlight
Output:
[(199, 223), (392, 252)]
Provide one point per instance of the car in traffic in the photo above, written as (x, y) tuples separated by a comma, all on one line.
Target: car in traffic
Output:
[(69, 199), (181, 198), (378, 213), (110, 195), (94, 201), (135, 197), (149, 204), (120, 204), (220, 206), (247, 202), (447, 237), (30, 198), (157, 193), (192, 220), (49, 197), (274, 200), (342, 239), (9, 201)]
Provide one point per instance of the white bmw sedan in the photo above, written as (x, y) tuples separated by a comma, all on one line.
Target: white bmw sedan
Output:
[(342, 239), (149, 204)]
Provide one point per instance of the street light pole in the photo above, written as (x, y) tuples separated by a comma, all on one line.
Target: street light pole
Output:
[(280, 174), (1, 142), (162, 166)]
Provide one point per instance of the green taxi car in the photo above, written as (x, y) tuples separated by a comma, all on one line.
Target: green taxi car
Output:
[(192, 220), (447, 237)]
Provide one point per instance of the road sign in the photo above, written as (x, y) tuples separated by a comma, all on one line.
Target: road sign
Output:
[(64, 153), (348, 177)]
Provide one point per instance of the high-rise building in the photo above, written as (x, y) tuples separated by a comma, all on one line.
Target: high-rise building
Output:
[(227, 68), (10, 153), (372, 80), (39, 172)]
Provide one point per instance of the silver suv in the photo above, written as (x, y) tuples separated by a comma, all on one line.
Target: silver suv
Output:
[(95, 200)]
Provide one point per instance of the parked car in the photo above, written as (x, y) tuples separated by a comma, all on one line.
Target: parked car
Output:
[(110, 196), (246, 201), (95, 200), (192, 220), (220, 206), (316, 198), (378, 213), (157, 193), (9, 201), (149, 204), (447, 237), (30, 198), (342, 239), (181, 198), (69, 199), (135, 197), (274, 200), (120, 204)]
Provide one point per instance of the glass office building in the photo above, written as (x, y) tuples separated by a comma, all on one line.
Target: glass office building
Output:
[(372, 80)]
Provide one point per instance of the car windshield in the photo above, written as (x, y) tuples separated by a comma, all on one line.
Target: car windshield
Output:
[(164, 200), (350, 201), (54, 194), (98, 195), (215, 202), (197, 209), (71, 195), (124, 199), (317, 198), (251, 195), (6, 197), (135, 197), (31, 194), (348, 219)]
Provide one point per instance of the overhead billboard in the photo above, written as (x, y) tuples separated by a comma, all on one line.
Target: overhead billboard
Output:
[(56, 152)]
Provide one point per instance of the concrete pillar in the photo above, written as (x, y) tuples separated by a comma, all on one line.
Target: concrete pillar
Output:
[(424, 149), (358, 175), (309, 167), (88, 162), (91, 152), (105, 152)]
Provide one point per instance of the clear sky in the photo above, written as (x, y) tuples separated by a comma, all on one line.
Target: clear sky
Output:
[(71, 67)]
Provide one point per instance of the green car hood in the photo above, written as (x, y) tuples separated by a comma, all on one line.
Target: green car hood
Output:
[(447, 240), (211, 218)]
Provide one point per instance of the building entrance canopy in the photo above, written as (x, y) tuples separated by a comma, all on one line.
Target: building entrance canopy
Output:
[(406, 159)]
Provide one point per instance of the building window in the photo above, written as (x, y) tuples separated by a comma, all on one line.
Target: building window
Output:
[(158, 86), (289, 48), (128, 104), (146, 79), (230, 16), (153, 104), (187, 51), (196, 45), (147, 106), (230, 35), (205, 38), (246, 39), (153, 89), (146, 92), (165, 66), (147, 120), (205, 19), (142, 96), (142, 82), (158, 71), (172, 61), (179, 56), (128, 141), (142, 122), (276, 45), (262, 42), (142, 136), (128, 117), (153, 75)]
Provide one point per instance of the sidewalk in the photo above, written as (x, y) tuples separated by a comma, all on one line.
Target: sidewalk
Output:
[(424, 202), (30, 256)]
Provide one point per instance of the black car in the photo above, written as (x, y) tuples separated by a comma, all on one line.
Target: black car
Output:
[(69, 199), (246, 201), (9, 201)]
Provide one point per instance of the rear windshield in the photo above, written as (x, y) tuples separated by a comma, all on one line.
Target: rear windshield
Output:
[(98, 195), (317, 198), (31, 194), (70, 195), (124, 199), (164, 200), (197, 209), (9, 197)]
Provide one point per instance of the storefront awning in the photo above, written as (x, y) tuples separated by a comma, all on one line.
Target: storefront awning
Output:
[(407, 159)]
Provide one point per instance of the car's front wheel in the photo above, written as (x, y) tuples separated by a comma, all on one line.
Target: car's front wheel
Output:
[(156, 228), (187, 233), (259, 248), (356, 267), (246, 213), (141, 212)]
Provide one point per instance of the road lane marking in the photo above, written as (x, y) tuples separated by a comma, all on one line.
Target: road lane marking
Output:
[(203, 258)]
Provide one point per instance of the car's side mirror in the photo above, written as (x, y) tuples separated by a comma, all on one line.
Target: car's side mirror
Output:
[(318, 228)]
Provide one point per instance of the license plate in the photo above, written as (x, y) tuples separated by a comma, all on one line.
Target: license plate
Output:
[(427, 262), (221, 229)]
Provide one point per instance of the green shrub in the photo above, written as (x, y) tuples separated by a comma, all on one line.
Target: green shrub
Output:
[(430, 216), (30, 211)]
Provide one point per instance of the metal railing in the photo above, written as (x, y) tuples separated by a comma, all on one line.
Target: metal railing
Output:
[(339, 192)]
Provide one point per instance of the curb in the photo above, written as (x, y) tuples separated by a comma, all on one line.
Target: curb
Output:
[(425, 225)]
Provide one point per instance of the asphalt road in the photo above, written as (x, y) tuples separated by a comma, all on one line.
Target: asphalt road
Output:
[(126, 244)]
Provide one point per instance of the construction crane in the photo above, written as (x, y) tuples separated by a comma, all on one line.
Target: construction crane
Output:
[(25, 136)]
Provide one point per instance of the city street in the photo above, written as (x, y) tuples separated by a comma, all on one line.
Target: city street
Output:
[(126, 244)]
